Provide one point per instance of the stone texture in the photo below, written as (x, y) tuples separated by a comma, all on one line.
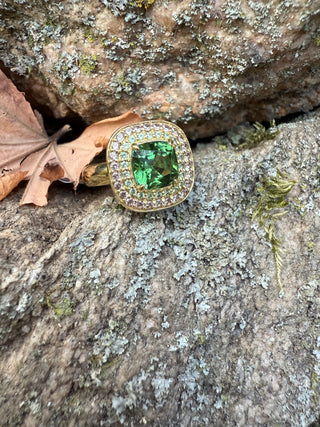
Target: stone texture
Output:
[(171, 318), (206, 65)]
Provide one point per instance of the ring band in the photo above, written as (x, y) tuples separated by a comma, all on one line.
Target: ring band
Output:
[(149, 166)]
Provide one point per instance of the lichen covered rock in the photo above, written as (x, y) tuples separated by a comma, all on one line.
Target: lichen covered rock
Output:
[(110, 317), (205, 65)]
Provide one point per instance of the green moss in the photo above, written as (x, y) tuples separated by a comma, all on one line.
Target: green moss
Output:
[(106, 366), (273, 198), (317, 41), (85, 315), (90, 35), (123, 82), (311, 246), (255, 136), (87, 64), (61, 309), (142, 3), (96, 360), (314, 385), (129, 83), (201, 339), (30, 41)]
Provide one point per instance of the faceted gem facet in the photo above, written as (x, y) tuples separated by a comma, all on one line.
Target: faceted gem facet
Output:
[(154, 164)]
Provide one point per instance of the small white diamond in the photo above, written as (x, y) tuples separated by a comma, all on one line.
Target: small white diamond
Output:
[(116, 176), (184, 148), (139, 203), (118, 185), (123, 195), (115, 145), (114, 166), (139, 130), (149, 205)]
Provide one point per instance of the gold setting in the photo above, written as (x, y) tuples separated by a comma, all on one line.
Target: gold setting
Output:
[(122, 181)]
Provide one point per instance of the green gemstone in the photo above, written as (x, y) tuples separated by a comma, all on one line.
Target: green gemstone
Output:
[(154, 164)]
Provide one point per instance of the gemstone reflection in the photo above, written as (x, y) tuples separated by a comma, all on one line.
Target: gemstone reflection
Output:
[(154, 164)]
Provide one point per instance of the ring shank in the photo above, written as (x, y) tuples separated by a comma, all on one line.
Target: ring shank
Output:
[(95, 175)]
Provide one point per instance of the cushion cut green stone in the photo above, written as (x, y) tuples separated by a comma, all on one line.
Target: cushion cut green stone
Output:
[(154, 164)]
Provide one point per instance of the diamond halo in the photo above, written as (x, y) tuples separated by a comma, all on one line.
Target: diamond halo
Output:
[(122, 148)]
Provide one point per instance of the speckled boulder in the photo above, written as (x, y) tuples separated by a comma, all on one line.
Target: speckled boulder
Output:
[(204, 64), (173, 318)]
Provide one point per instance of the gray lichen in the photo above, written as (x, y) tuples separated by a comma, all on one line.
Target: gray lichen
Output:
[(182, 302), (143, 56)]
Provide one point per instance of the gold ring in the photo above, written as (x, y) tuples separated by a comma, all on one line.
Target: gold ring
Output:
[(149, 166)]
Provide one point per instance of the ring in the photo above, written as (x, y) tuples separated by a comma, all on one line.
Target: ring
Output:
[(149, 166)]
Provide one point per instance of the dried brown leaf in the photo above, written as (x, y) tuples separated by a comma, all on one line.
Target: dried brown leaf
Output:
[(26, 151), (19, 128), (9, 182)]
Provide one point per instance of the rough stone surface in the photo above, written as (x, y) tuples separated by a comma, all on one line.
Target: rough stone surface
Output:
[(169, 318), (204, 64)]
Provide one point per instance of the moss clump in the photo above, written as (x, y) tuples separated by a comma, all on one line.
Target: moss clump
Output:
[(129, 83), (123, 82), (142, 3), (90, 35), (96, 360), (273, 197), (87, 64), (61, 309), (254, 136), (314, 385)]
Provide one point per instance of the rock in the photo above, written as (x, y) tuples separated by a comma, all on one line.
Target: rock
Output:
[(110, 317), (205, 65)]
